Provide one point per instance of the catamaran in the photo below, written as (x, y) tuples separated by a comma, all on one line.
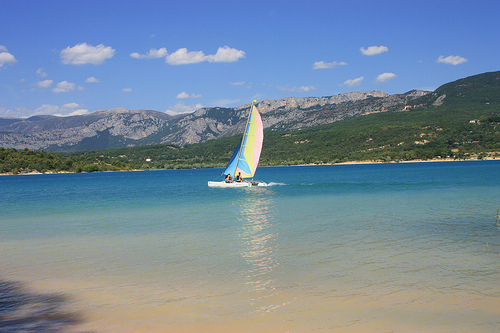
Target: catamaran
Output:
[(245, 158)]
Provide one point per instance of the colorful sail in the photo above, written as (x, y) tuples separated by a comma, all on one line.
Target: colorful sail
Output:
[(246, 156)]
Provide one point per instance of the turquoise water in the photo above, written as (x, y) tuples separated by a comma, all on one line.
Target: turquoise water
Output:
[(345, 248)]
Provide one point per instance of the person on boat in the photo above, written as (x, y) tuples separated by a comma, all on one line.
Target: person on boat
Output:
[(228, 178), (239, 178)]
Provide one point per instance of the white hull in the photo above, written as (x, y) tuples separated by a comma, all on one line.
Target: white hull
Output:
[(235, 184)]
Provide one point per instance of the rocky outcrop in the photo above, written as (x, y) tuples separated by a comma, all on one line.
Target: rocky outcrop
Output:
[(141, 127)]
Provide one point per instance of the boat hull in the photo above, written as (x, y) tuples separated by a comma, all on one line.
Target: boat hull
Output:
[(235, 184)]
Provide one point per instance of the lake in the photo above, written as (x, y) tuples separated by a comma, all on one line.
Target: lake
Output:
[(408, 247)]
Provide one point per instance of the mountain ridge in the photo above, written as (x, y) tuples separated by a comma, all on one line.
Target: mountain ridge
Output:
[(119, 128), (124, 128)]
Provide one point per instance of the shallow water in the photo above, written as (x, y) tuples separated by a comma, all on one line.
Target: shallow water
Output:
[(346, 248)]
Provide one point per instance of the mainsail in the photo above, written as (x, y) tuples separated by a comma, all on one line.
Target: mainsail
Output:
[(246, 156)]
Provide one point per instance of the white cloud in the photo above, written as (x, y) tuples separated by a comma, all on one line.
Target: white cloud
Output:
[(20, 112), (78, 112), (71, 106), (183, 56), (180, 108), (373, 50), (184, 95), (46, 109), (91, 80), (152, 54), (65, 86), (44, 83), (353, 82), (297, 89), (83, 53), (325, 65), (384, 77), (451, 60), (226, 54), (237, 83), (68, 109), (71, 109), (127, 90), (6, 57), (40, 72)]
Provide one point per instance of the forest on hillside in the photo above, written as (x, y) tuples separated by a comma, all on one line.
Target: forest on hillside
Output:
[(384, 137)]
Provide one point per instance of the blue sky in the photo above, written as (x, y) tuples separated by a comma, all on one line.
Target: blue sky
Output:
[(75, 57)]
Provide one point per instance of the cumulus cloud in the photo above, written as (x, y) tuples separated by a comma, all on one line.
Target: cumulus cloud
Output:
[(373, 50), (353, 82), (71, 109), (325, 65), (44, 84), (78, 112), (184, 57), (226, 54), (41, 72), (6, 57), (152, 54), (384, 77), (184, 95), (65, 86), (15, 113), (83, 53), (127, 90), (180, 108), (68, 109), (91, 80), (46, 109), (451, 60), (297, 89)]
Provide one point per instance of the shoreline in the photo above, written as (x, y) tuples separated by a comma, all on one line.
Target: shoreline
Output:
[(434, 160), (419, 161)]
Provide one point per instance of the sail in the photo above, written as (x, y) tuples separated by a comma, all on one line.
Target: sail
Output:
[(246, 156)]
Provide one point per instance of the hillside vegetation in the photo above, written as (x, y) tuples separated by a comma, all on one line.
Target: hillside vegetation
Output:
[(460, 120)]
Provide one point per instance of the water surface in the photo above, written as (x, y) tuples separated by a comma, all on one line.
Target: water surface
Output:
[(345, 248)]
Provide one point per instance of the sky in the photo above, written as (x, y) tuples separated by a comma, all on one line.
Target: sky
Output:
[(175, 56)]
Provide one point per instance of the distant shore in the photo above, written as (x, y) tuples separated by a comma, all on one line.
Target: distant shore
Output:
[(488, 158), (421, 161)]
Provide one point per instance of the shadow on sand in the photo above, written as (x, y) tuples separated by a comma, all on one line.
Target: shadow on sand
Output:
[(22, 310)]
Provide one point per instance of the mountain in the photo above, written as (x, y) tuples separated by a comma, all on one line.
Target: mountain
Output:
[(119, 128)]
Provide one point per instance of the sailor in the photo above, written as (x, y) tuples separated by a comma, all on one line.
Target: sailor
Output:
[(239, 178), (228, 178)]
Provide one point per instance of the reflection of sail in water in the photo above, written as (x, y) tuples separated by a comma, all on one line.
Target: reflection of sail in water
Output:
[(259, 246)]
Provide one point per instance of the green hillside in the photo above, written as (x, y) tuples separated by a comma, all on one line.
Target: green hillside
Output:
[(466, 125), (470, 92)]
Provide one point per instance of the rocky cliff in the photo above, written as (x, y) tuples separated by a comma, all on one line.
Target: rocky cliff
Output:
[(121, 127)]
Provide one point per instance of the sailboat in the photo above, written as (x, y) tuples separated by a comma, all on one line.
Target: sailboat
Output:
[(245, 158)]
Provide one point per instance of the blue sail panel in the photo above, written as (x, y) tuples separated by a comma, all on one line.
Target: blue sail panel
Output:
[(231, 166)]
